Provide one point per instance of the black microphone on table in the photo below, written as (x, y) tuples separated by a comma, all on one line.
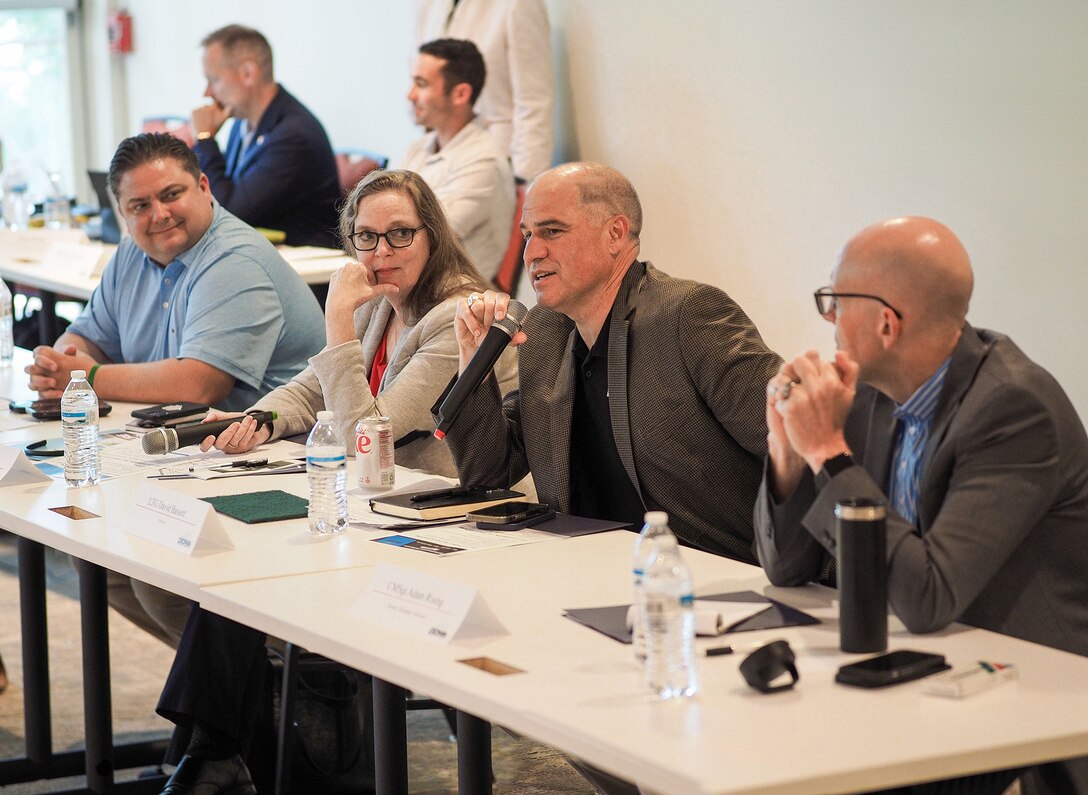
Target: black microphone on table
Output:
[(498, 337), (167, 440)]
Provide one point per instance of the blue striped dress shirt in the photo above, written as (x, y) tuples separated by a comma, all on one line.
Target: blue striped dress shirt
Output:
[(914, 420)]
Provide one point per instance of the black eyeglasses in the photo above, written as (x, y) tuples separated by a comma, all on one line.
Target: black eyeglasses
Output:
[(401, 237), (827, 301)]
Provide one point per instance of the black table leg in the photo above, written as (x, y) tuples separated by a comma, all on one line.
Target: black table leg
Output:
[(390, 739), (473, 755), (37, 718), (47, 318), (285, 742), (97, 711)]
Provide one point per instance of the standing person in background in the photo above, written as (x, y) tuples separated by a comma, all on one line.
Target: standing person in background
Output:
[(515, 39), (459, 159), (278, 171)]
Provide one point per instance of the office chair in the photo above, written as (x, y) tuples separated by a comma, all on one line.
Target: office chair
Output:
[(354, 164), (177, 126), (293, 660), (510, 270)]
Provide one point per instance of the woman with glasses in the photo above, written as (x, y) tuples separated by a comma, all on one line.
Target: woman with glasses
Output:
[(390, 348)]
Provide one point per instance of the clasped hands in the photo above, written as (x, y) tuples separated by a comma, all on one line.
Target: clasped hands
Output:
[(52, 368), (807, 404)]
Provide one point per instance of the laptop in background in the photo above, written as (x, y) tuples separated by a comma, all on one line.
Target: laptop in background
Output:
[(107, 205)]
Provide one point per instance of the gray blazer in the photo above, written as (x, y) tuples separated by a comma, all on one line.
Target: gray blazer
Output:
[(424, 361), (686, 377), (1002, 536)]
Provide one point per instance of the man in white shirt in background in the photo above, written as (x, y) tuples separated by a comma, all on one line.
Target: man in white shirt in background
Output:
[(514, 36), (458, 158)]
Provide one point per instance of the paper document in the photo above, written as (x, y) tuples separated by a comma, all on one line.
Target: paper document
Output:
[(123, 455), (449, 539)]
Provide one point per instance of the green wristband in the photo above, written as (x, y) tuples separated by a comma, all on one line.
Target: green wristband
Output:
[(90, 374)]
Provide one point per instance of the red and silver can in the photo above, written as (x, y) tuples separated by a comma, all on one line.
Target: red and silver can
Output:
[(374, 454)]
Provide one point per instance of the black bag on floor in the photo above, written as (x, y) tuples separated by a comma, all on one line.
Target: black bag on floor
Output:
[(334, 741)]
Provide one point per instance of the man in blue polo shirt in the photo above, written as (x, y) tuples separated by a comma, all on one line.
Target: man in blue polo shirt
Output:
[(193, 306)]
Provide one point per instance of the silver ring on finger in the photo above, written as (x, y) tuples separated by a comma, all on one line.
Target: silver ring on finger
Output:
[(473, 298), (786, 389)]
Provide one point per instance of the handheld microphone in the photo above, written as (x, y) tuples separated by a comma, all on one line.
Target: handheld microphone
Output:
[(167, 440), (498, 337)]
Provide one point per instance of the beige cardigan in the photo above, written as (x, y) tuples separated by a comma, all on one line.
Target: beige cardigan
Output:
[(419, 369)]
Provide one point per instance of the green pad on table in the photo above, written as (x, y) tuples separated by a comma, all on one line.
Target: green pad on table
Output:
[(260, 506)]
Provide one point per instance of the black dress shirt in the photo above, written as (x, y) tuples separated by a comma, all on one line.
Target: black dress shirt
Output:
[(599, 485)]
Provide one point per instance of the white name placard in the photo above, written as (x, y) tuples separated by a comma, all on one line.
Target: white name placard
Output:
[(16, 469), (82, 260), (424, 605), (175, 520)]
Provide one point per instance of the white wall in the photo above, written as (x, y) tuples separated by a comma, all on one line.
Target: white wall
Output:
[(347, 60), (760, 134)]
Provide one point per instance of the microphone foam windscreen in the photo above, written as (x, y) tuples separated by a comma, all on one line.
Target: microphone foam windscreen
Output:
[(515, 316), (154, 442)]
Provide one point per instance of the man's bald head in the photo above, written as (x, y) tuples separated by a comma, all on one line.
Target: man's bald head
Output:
[(916, 264), (602, 190)]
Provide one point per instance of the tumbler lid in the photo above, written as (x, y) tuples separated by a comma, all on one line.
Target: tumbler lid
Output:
[(861, 509)]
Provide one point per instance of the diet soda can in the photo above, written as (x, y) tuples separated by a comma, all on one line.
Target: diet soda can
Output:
[(374, 454)]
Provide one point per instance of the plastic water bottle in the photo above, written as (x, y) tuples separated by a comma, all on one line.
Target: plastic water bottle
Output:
[(670, 622), (79, 419), (17, 206), (326, 469), (7, 331), (657, 523)]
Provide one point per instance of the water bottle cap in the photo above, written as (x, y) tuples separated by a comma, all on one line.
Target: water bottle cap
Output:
[(656, 517), (78, 375), (324, 416)]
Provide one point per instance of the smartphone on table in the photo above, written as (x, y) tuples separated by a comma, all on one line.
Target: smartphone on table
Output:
[(891, 669), (511, 515), (49, 409)]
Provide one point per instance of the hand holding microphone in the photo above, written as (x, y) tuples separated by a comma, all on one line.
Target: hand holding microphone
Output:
[(242, 435), (475, 317), (167, 440), (485, 325)]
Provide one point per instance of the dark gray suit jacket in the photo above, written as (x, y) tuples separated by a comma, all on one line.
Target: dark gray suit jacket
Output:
[(686, 377), (285, 180), (1002, 536)]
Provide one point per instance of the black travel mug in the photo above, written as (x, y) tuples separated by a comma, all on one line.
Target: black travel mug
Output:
[(863, 574)]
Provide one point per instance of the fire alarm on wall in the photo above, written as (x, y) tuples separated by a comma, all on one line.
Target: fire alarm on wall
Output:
[(120, 23)]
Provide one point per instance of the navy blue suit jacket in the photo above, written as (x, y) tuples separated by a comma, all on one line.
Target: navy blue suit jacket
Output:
[(285, 180)]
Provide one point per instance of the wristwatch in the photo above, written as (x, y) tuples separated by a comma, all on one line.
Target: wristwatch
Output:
[(832, 467)]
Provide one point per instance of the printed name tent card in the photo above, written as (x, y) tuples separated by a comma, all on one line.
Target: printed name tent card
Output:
[(73, 258), (175, 520), (17, 470), (424, 605)]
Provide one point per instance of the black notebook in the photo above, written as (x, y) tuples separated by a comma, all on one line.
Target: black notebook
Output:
[(441, 503), (612, 621)]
